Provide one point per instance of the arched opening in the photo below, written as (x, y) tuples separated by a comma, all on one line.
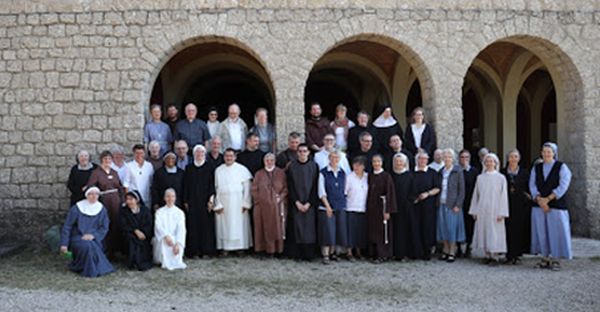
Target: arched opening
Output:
[(215, 73), (364, 73), (532, 84), (513, 83)]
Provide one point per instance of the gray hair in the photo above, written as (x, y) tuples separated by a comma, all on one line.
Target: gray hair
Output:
[(449, 151), (81, 152), (117, 150), (269, 155), (335, 152), (401, 156), (513, 151), (422, 154), (493, 157), (153, 143)]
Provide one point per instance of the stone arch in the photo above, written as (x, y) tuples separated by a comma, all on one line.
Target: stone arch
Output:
[(408, 62), (225, 55), (569, 92)]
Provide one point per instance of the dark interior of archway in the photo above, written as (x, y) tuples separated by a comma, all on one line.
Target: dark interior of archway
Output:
[(220, 88), (333, 85), (524, 130), (472, 134), (329, 93), (549, 117), (414, 98)]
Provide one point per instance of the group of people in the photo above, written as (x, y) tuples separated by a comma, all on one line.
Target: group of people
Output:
[(352, 191)]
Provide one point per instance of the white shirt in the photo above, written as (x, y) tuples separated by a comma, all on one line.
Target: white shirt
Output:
[(322, 160), (123, 172), (417, 133), (235, 132), (213, 127), (356, 191), (340, 136), (140, 179)]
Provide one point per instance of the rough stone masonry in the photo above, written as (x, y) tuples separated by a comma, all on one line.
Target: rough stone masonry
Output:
[(78, 74)]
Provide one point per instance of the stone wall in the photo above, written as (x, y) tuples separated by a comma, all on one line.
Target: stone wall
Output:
[(78, 74)]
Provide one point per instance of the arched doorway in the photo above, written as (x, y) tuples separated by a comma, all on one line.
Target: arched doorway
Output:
[(364, 73), (527, 85), (511, 85), (215, 73)]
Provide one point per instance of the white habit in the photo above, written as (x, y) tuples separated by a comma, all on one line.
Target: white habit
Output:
[(140, 179), (490, 201), (232, 187), (169, 221)]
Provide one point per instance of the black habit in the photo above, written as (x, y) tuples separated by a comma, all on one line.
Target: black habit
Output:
[(470, 179), (518, 223), (199, 186), (161, 181), (301, 234), (77, 180), (140, 251), (253, 160), (407, 241), (428, 140), (426, 209), (388, 160), (285, 157), (383, 135), (354, 138), (216, 162)]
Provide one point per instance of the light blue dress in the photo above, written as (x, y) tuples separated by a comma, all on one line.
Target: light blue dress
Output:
[(551, 231)]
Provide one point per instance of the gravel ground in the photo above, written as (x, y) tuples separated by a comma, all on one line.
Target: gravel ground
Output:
[(40, 282)]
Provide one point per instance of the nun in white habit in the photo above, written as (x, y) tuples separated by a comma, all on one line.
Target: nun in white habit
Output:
[(169, 234), (489, 208)]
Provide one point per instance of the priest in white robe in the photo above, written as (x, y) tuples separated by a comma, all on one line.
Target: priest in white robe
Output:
[(169, 234), (232, 204), (489, 208)]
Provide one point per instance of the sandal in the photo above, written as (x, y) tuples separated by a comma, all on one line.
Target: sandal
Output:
[(450, 258), (443, 257), (326, 261), (543, 264)]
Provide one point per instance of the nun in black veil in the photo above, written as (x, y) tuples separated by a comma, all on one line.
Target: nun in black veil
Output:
[(386, 125), (137, 225)]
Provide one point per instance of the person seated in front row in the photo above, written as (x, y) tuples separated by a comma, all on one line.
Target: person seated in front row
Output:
[(136, 222), (169, 234), (83, 234)]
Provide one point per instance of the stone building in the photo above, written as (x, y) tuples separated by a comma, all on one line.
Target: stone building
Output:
[(501, 74)]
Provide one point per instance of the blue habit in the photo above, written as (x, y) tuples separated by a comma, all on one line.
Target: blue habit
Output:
[(88, 256)]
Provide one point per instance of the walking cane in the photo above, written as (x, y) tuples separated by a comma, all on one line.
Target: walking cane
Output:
[(385, 223)]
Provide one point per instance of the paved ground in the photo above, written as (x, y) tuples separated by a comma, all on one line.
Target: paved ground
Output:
[(39, 282)]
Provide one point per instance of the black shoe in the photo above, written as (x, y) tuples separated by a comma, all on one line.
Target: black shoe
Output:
[(443, 257), (450, 258)]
